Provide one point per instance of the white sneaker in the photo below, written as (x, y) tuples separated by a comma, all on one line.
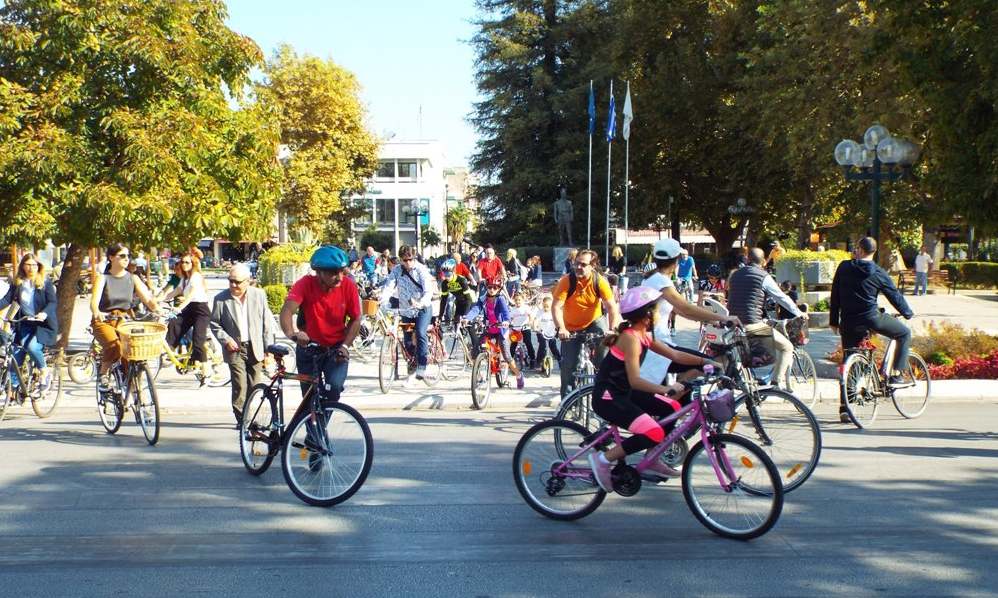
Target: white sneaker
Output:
[(409, 381), (420, 372)]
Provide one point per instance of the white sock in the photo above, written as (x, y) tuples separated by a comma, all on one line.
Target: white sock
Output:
[(602, 458)]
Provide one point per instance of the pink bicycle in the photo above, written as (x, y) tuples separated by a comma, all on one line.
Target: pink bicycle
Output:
[(729, 483)]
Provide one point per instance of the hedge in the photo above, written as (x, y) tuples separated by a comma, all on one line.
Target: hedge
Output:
[(276, 294), (977, 275), (285, 263)]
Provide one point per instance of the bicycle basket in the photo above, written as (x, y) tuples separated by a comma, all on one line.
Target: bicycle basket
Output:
[(369, 307), (720, 405), (797, 332), (754, 353), (141, 341)]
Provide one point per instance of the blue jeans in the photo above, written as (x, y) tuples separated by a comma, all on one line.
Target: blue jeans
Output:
[(921, 278), (25, 337), (422, 322), (335, 373)]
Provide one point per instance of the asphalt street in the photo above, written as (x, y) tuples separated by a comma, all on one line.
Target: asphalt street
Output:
[(905, 509)]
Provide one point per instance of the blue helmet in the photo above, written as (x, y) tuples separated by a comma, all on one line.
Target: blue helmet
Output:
[(448, 266), (329, 257)]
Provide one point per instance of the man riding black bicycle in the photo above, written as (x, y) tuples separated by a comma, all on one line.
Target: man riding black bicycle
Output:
[(853, 309), (330, 304)]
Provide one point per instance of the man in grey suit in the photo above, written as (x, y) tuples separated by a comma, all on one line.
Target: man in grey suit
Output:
[(242, 322)]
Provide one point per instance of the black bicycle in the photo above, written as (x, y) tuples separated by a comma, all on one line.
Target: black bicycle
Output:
[(327, 448), (23, 383)]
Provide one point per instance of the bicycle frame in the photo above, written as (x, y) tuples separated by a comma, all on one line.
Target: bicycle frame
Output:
[(690, 416)]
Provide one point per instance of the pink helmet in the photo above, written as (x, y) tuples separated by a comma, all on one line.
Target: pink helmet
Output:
[(638, 297)]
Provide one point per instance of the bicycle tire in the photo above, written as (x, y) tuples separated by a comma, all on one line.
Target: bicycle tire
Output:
[(387, 364), (326, 476), (547, 366), (751, 504), (577, 407), (502, 376), (911, 401), (434, 360), (802, 378), (44, 405), (860, 390), (481, 381), (155, 366), (542, 449), (145, 403), (81, 367), (458, 360), (258, 432), (109, 401), (783, 426), (6, 391), (366, 340)]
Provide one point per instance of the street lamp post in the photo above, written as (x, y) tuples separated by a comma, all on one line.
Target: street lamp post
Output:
[(415, 208), (878, 149), (284, 154), (739, 210)]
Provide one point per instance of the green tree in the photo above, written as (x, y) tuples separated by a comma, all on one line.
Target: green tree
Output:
[(429, 237), (457, 220), (114, 126), (331, 150)]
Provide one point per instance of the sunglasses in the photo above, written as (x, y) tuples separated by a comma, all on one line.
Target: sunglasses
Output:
[(583, 264), (122, 256), (234, 281), (407, 259), (494, 287)]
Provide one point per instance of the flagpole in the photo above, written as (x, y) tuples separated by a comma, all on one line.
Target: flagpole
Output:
[(628, 116), (589, 180), (609, 148)]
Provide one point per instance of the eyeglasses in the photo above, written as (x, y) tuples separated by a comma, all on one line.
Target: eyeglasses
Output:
[(122, 256), (234, 281), (407, 259), (583, 264)]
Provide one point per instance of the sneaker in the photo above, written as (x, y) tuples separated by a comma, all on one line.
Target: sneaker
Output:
[(420, 372), (104, 383), (844, 417), (46, 382), (519, 381), (409, 381), (661, 470), (899, 380), (601, 472)]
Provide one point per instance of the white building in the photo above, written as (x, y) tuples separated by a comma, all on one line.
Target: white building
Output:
[(407, 194)]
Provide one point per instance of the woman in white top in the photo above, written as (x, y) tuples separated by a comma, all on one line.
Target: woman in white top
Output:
[(194, 312)]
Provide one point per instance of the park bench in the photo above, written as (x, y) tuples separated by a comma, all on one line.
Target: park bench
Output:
[(936, 278)]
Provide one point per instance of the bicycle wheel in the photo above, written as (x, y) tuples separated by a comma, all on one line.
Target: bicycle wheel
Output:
[(481, 381), (109, 407), (6, 391), (458, 360), (145, 402), (326, 462), (552, 487), (750, 500), (547, 366), (44, 404), (802, 378), (502, 376), (577, 407), (258, 433), (860, 390), (81, 368), (780, 424), (155, 365), (434, 360), (366, 342), (913, 397), (388, 363)]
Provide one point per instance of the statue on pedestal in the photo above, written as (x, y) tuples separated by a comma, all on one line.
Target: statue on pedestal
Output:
[(563, 218)]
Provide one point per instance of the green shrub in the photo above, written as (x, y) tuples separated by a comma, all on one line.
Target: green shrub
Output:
[(977, 275), (284, 264), (954, 341), (276, 294), (821, 305), (939, 358)]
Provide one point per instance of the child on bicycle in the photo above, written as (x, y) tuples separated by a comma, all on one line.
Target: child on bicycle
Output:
[(520, 321), (622, 397), (497, 318)]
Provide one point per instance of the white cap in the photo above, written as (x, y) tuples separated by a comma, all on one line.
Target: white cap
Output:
[(666, 249)]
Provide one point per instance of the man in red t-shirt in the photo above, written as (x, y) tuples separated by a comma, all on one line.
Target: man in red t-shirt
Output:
[(330, 304), (490, 268)]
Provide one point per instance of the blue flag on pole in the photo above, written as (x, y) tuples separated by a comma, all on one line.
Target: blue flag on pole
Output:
[(592, 110), (611, 123)]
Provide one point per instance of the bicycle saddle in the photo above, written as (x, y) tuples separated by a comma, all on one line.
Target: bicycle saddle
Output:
[(278, 350)]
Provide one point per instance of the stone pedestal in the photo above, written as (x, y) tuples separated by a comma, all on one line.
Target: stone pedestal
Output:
[(560, 255)]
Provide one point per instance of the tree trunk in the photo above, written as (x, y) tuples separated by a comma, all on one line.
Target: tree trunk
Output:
[(804, 213), (66, 292)]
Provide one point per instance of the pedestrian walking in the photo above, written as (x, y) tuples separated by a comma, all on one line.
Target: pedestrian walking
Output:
[(242, 323), (923, 263)]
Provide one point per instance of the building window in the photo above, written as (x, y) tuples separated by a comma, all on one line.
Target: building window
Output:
[(386, 169), (407, 170), (385, 210), (407, 215)]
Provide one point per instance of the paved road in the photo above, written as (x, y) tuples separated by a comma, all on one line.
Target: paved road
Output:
[(906, 509)]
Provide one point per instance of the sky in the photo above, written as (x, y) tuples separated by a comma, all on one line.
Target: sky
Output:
[(411, 58)]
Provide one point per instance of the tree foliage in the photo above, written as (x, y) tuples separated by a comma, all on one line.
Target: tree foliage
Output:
[(744, 98), (323, 123)]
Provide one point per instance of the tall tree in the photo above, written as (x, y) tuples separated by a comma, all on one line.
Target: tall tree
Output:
[(332, 151), (114, 126)]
